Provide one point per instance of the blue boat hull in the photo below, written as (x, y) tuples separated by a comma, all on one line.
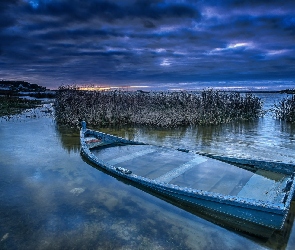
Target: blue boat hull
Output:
[(249, 214)]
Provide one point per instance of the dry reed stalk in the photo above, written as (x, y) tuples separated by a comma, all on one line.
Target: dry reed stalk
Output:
[(164, 109)]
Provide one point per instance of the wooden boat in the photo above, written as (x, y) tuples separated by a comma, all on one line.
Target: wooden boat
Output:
[(253, 199)]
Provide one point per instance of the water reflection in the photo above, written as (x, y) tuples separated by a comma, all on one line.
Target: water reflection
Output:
[(264, 138), (51, 199), (288, 129), (194, 138), (69, 137)]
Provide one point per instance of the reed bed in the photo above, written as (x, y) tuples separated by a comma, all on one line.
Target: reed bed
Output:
[(285, 109), (163, 109), (15, 105)]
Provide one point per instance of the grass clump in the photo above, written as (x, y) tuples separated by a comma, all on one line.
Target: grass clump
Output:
[(14, 105), (164, 109), (285, 109)]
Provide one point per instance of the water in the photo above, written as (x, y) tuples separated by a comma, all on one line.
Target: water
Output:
[(265, 85), (51, 199)]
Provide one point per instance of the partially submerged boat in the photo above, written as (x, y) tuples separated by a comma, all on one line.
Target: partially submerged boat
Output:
[(255, 199)]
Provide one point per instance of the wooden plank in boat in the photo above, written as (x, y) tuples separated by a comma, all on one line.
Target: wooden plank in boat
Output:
[(194, 171)]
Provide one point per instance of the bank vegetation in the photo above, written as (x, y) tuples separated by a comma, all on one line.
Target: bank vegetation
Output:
[(285, 109), (14, 105)]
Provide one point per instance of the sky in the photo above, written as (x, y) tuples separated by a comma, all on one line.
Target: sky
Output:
[(169, 43)]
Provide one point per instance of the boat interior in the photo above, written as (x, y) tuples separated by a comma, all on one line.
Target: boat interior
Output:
[(194, 171)]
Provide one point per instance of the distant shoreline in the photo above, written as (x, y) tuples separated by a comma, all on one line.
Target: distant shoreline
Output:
[(22, 88), (285, 91)]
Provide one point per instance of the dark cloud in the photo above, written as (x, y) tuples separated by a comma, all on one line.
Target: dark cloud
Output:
[(125, 42), (6, 19), (110, 11), (77, 10), (148, 24)]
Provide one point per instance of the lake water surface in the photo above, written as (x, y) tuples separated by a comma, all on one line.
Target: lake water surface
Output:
[(51, 199)]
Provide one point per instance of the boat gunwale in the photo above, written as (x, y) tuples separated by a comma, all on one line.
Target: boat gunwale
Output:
[(273, 166)]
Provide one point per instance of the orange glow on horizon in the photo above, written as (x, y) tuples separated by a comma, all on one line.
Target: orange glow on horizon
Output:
[(102, 88), (99, 88)]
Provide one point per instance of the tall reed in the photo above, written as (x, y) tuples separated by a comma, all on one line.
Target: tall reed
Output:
[(165, 109), (285, 109)]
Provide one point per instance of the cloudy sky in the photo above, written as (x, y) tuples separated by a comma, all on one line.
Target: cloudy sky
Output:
[(147, 42)]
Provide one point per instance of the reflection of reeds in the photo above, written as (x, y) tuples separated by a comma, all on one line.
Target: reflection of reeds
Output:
[(285, 109), (165, 109)]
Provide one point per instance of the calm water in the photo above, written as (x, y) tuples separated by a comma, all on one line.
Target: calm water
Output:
[(51, 199)]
